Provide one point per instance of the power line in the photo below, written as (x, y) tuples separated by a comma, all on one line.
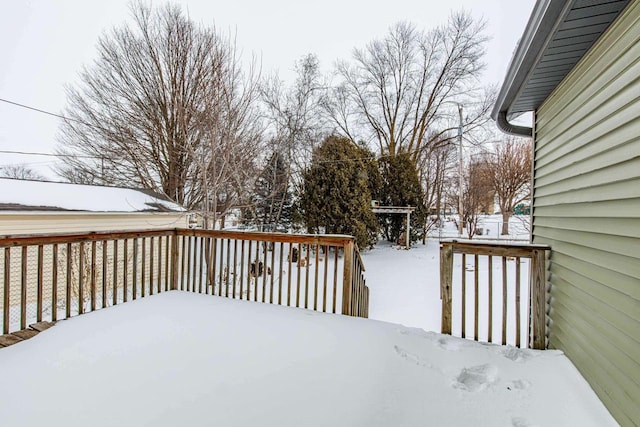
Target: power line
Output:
[(35, 109), (39, 110), (79, 156), (49, 113), (33, 153), (29, 163)]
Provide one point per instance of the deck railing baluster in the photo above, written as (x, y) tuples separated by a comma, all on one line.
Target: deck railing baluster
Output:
[(40, 289), (54, 283), (6, 307), (104, 273)]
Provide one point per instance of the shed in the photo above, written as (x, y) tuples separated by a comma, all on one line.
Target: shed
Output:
[(577, 68), (29, 207)]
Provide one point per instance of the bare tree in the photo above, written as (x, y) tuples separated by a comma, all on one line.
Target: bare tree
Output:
[(510, 177), (234, 140), (434, 167), (296, 125), (296, 114), (154, 107), (477, 193), (397, 89), (20, 172)]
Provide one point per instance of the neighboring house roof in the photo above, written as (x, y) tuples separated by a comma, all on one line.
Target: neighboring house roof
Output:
[(559, 33), (27, 195)]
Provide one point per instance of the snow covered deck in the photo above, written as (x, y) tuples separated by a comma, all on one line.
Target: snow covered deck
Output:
[(180, 358)]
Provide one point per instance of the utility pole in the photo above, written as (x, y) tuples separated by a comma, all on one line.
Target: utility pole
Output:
[(205, 189), (460, 212)]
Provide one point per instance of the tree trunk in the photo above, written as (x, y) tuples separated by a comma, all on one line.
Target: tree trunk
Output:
[(505, 223)]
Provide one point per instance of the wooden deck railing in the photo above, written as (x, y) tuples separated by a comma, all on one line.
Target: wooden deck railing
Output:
[(356, 297), (500, 310), (50, 277)]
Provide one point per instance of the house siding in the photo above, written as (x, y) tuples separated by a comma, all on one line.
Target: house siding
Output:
[(68, 222), (586, 206)]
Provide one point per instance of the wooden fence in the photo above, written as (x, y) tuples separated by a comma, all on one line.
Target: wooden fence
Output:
[(51, 277), (500, 310)]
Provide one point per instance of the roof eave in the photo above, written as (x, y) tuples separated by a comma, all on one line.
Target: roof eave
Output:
[(545, 17)]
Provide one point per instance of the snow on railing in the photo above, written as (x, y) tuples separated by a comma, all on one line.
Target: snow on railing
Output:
[(511, 310), (57, 276)]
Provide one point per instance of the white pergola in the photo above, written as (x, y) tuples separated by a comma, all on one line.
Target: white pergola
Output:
[(397, 210)]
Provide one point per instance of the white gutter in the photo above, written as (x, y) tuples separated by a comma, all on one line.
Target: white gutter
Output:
[(545, 18)]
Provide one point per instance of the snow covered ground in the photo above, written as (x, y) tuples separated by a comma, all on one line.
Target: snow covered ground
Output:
[(180, 358), (404, 286), (489, 226), (186, 359)]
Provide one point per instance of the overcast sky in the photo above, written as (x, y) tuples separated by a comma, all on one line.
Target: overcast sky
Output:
[(44, 44)]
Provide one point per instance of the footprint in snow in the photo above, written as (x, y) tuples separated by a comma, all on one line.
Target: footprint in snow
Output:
[(450, 344), (521, 422), (415, 332), (519, 385), (410, 357), (517, 354), (476, 378)]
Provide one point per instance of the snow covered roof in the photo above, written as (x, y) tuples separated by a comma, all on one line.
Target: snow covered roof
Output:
[(26, 195)]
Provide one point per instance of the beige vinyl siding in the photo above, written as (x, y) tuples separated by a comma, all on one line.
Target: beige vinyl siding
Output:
[(63, 222), (587, 208)]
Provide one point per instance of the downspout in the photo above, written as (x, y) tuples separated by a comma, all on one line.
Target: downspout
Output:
[(533, 175)]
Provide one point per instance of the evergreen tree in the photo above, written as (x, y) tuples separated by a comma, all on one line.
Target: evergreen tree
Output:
[(401, 187), (336, 192), (272, 199)]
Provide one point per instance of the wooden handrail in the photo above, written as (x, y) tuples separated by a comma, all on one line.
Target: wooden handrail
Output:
[(50, 239), (312, 239), (46, 239), (60, 275), (537, 287), (479, 247)]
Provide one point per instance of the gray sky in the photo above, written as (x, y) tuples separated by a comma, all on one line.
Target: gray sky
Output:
[(44, 44)]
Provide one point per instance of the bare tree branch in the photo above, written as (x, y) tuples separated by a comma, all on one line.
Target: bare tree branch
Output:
[(510, 177), (20, 172), (154, 107), (395, 91)]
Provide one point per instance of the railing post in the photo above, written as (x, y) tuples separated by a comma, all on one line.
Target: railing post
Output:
[(538, 286), (347, 278), (175, 249), (446, 277), (366, 306)]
